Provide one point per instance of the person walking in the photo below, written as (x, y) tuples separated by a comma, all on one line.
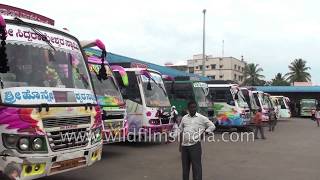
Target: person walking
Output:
[(272, 122), (258, 123), (317, 115), (175, 128), (174, 115), (313, 114), (191, 129)]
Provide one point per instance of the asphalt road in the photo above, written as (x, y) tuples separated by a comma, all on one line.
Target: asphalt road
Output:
[(292, 152)]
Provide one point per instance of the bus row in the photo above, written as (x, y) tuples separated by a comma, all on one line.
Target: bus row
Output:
[(61, 100)]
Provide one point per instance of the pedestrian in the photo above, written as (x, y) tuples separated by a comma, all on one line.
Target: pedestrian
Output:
[(175, 128), (313, 114), (317, 115), (191, 128), (258, 124), (174, 115), (272, 122)]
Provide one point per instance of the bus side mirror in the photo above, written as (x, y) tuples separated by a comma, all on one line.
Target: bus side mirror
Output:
[(236, 96), (124, 92), (149, 88)]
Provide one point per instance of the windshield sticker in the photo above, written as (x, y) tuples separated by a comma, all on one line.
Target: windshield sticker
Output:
[(200, 84), (20, 33), (83, 97), (38, 95), (108, 101), (27, 96), (96, 68)]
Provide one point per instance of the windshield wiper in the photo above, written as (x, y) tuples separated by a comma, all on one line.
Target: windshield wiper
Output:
[(159, 85), (37, 31)]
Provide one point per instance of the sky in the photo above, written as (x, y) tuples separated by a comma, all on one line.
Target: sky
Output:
[(271, 33)]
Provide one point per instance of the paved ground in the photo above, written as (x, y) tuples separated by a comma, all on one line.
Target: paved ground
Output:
[(292, 152)]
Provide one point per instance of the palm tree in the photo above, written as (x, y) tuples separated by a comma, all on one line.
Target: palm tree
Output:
[(279, 80), (298, 71), (252, 75)]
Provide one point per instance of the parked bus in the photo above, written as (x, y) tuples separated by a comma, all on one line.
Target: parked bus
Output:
[(147, 102), (307, 106), (276, 106), (264, 102), (248, 95), (50, 121), (283, 106), (107, 92), (230, 106), (181, 92)]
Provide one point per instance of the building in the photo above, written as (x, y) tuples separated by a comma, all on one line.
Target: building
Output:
[(301, 84), (218, 68)]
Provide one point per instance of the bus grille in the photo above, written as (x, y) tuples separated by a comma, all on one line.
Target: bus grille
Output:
[(68, 139), (66, 121)]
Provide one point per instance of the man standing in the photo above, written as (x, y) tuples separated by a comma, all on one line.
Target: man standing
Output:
[(192, 126), (258, 123)]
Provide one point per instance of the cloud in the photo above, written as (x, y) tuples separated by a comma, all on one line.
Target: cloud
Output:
[(271, 33)]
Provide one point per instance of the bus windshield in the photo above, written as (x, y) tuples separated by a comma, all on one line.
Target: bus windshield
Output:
[(156, 97), (106, 88), (249, 98), (241, 100), (256, 98), (181, 91), (200, 96), (308, 103), (221, 94), (266, 101), (283, 103), (200, 93), (37, 65)]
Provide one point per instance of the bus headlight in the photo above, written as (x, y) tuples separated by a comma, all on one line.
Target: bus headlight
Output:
[(37, 144), (24, 144), (10, 140)]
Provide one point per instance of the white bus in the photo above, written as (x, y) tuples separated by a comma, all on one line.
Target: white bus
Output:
[(283, 106), (147, 102)]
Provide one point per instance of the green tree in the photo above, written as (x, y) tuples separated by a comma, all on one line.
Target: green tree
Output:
[(252, 76), (279, 80), (298, 71)]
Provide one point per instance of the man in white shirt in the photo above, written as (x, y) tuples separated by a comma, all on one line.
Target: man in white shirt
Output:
[(192, 126)]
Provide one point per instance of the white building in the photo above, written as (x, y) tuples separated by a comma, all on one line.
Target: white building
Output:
[(218, 68)]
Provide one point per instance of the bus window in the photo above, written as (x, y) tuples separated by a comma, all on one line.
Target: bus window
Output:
[(132, 91)]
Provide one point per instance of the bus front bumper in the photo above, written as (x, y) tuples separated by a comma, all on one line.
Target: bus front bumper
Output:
[(38, 166)]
